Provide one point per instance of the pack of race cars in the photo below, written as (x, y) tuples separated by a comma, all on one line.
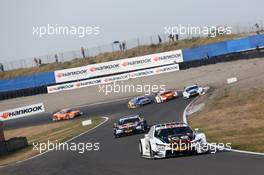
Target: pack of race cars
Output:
[(162, 140), (164, 96)]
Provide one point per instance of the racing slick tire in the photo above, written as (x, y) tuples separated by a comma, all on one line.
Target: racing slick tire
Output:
[(140, 149), (151, 153), (145, 127)]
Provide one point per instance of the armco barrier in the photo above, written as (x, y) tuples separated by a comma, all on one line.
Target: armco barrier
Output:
[(16, 143), (110, 79), (222, 58), (119, 66), (223, 48), (23, 92), (13, 144), (27, 82)]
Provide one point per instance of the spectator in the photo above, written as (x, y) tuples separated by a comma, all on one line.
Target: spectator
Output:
[(1, 67), (160, 40), (177, 37), (83, 52), (56, 58), (39, 62), (123, 46), (171, 37), (36, 62)]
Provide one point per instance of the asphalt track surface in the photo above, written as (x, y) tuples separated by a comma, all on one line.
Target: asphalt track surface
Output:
[(121, 156)]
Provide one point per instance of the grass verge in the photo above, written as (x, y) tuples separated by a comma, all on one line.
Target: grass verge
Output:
[(235, 117), (54, 132)]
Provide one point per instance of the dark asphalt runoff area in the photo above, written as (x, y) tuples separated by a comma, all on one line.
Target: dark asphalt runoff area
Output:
[(121, 156)]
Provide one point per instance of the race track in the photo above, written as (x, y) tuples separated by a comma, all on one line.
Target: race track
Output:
[(121, 156)]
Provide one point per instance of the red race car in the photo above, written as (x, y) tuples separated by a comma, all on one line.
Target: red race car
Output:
[(165, 96)]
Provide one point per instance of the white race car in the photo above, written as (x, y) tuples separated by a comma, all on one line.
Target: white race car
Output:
[(172, 139), (191, 91)]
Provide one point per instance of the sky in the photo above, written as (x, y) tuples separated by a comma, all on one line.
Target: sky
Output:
[(117, 20)]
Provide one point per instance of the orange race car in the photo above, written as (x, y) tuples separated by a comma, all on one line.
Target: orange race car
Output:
[(165, 96), (66, 114)]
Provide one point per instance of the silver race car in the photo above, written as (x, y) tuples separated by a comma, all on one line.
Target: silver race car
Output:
[(191, 91)]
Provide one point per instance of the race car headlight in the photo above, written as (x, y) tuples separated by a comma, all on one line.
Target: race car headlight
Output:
[(118, 131), (139, 127), (160, 147)]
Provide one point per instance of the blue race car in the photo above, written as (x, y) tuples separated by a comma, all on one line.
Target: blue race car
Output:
[(139, 101)]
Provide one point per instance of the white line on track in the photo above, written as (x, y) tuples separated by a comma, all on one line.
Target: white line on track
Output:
[(106, 119)]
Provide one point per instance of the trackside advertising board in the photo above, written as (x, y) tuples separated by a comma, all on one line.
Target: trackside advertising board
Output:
[(22, 112), (87, 83), (110, 79), (155, 71), (118, 66)]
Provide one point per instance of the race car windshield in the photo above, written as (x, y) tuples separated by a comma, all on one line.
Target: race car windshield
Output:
[(165, 93), (141, 98), (192, 88), (131, 120), (164, 133)]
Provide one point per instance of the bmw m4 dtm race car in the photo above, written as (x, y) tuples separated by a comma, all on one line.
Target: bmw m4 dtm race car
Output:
[(191, 91), (165, 96), (131, 124), (172, 139), (139, 101)]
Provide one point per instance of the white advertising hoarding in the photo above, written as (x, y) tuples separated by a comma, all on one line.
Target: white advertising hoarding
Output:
[(22, 112), (111, 79), (118, 66)]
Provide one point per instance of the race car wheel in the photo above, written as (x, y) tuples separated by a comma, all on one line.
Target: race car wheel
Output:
[(117, 135), (151, 154), (145, 126), (140, 149)]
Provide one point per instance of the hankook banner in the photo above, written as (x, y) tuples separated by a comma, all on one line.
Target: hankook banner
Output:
[(111, 79), (22, 112), (118, 66)]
